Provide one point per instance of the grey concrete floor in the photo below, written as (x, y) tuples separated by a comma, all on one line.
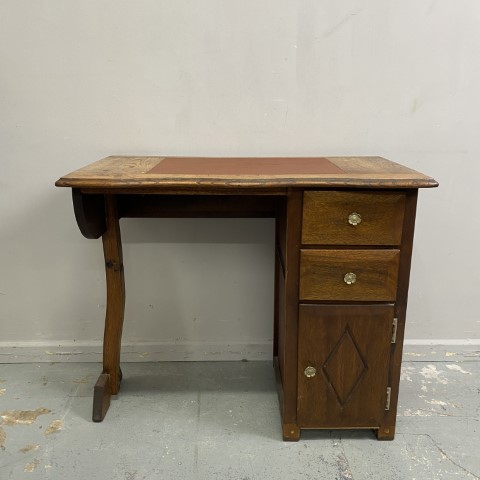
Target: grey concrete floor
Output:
[(220, 420)]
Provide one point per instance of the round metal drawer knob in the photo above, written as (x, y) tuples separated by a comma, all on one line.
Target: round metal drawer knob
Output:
[(310, 372), (354, 219), (350, 278)]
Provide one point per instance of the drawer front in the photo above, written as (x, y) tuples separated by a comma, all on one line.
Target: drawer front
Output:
[(352, 218), (349, 275), (343, 362)]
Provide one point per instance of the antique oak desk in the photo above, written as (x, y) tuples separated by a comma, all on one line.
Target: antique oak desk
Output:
[(344, 232)]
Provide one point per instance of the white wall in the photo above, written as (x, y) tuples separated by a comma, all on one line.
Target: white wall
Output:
[(82, 80)]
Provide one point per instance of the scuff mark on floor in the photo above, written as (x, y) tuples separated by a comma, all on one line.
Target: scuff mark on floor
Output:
[(85, 379), (436, 402), (133, 476), (450, 354), (457, 368), (55, 426), (342, 463), (344, 470), (22, 417), (444, 454), (30, 448), (3, 437), (48, 352), (417, 413), (421, 412), (475, 353), (30, 467)]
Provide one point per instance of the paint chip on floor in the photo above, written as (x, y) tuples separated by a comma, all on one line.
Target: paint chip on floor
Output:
[(22, 417), (3, 437), (457, 368), (30, 467), (430, 372), (2, 391), (417, 413), (55, 426), (405, 373), (30, 448)]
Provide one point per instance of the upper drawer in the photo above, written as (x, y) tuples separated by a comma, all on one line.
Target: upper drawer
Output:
[(352, 218)]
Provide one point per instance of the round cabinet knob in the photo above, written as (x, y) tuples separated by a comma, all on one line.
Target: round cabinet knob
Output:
[(354, 219), (310, 372), (350, 278)]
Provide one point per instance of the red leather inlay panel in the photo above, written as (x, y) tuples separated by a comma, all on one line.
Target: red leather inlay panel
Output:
[(245, 166)]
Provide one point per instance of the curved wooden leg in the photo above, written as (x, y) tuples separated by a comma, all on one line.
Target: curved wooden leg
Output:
[(109, 382)]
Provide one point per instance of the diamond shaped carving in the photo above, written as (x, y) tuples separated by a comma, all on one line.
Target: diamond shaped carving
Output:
[(345, 367)]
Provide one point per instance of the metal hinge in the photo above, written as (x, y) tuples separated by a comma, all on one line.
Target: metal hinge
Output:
[(389, 394), (394, 330)]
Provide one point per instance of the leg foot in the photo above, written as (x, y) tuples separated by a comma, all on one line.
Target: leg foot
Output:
[(291, 432), (101, 397), (385, 432)]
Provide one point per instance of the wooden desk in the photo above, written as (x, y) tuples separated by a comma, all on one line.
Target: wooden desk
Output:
[(344, 232)]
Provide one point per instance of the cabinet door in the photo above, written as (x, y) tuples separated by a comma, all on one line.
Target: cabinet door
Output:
[(343, 361)]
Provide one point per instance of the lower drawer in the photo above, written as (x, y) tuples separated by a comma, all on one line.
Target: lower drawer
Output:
[(349, 275)]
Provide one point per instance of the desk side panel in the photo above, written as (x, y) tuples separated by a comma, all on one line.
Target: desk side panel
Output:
[(387, 429)]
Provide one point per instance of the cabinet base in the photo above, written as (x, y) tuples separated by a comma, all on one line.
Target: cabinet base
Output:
[(385, 432), (291, 432)]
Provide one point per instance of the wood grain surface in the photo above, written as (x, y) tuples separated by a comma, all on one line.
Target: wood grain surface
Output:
[(322, 275), (342, 330), (136, 172), (349, 346), (112, 250), (326, 218)]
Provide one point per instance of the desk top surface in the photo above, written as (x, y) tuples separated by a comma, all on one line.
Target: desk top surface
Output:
[(129, 172)]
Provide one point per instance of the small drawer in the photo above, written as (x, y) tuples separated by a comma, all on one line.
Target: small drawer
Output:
[(352, 218), (349, 275)]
